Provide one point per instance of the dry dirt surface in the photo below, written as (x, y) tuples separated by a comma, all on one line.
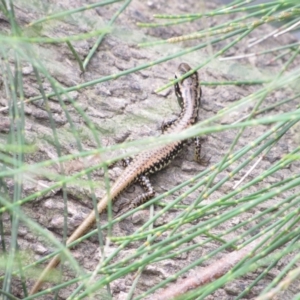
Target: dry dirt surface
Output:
[(126, 109)]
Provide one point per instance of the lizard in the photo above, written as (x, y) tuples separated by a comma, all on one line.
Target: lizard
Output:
[(188, 92)]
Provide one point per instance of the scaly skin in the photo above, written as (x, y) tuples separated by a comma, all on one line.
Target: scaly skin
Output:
[(147, 162)]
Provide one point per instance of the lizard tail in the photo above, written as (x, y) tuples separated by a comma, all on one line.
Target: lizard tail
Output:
[(80, 231), (122, 182)]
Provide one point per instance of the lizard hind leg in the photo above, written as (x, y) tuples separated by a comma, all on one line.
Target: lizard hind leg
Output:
[(144, 181)]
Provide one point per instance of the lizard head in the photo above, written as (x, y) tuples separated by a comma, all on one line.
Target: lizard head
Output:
[(191, 81)]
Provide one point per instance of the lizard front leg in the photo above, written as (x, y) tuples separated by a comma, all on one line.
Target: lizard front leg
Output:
[(198, 158), (167, 124)]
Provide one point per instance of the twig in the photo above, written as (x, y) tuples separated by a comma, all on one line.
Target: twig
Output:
[(287, 29), (282, 286), (249, 171), (208, 274)]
